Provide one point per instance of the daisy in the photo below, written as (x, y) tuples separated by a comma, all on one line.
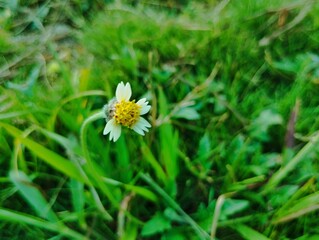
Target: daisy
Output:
[(122, 112)]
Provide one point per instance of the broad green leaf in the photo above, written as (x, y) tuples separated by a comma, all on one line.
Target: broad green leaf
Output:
[(260, 125), (204, 145), (157, 224), (204, 152), (172, 215)]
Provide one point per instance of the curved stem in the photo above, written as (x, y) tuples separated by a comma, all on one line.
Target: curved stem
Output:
[(85, 124), (89, 166)]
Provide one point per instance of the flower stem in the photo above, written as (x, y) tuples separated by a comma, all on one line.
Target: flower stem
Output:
[(89, 167), (83, 135)]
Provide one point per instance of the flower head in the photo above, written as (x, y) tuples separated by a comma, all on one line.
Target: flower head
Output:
[(122, 112)]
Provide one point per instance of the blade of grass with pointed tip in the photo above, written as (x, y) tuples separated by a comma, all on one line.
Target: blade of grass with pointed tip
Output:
[(283, 172), (33, 196), (168, 140), (136, 189), (53, 159), (149, 157), (12, 216), (301, 207), (202, 234), (123, 160), (77, 188), (249, 233), (55, 112), (13, 114), (77, 195)]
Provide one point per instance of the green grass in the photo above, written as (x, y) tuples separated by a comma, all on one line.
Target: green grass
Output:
[(233, 148)]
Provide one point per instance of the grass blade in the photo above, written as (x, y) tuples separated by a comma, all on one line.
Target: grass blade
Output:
[(283, 172), (202, 234), (56, 161), (33, 196), (249, 233), (12, 216), (149, 157), (301, 207), (78, 201)]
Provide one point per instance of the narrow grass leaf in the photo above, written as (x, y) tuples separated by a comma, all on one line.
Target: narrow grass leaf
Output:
[(169, 141), (22, 218), (285, 170), (78, 201), (202, 234), (55, 112), (297, 195), (56, 161), (9, 115), (123, 160), (130, 232), (149, 157), (142, 192), (301, 207), (32, 195), (249, 233)]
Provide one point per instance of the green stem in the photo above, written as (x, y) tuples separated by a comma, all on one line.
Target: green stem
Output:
[(94, 117), (89, 166)]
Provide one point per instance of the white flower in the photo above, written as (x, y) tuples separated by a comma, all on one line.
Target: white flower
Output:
[(123, 112)]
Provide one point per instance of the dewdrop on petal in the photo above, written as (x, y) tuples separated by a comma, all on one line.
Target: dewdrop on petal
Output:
[(120, 111)]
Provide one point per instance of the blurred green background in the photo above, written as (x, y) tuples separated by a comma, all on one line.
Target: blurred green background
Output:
[(233, 148)]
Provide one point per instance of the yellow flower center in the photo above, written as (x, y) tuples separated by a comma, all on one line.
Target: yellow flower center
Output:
[(127, 113)]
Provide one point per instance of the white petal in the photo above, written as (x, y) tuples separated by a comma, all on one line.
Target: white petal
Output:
[(116, 132), (141, 126), (144, 122), (114, 129), (109, 126), (137, 129), (120, 89), (144, 107), (127, 92), (141, 101), (111, 136)]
